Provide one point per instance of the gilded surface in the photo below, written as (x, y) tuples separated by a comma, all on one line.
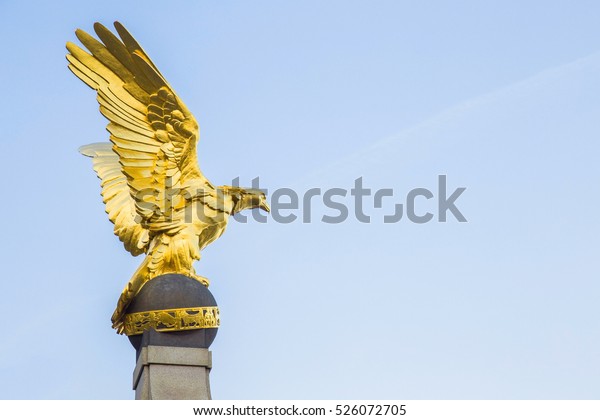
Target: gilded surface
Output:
[(152, 187), (172, 320)]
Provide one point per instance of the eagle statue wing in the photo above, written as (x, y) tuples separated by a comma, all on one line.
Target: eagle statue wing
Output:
[(152, 132), (117, 198)]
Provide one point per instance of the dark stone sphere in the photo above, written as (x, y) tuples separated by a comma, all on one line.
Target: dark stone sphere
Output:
[(172, 291)]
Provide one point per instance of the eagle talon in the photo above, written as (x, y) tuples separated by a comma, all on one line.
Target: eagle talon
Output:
[(201, 279)]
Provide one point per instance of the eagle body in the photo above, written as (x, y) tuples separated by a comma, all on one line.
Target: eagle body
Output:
[(152, 187)]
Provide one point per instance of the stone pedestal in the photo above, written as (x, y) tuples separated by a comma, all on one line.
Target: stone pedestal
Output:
[(172, 373), (179, 319)]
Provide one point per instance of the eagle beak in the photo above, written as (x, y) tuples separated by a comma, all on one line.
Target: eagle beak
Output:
[(265, 206)]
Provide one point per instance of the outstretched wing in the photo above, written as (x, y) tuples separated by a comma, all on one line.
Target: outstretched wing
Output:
[(117, 199), (153, 133)]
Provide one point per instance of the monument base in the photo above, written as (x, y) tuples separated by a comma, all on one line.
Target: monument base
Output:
[(174, 362), (172, 373)]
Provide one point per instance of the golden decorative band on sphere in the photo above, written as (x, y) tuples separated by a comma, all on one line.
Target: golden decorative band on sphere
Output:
[(180, 319)]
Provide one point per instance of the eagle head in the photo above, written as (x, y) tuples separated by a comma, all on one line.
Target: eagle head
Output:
[(246, 198)]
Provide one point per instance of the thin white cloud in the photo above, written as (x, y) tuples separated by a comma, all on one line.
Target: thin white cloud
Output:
[(521, 88)]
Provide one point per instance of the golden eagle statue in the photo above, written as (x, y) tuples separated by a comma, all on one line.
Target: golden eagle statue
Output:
[(155, 194)]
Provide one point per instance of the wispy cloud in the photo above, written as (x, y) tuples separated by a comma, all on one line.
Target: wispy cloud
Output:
[(377, 150)]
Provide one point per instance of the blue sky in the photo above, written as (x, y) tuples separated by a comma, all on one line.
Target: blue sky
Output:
[(502, 97)]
